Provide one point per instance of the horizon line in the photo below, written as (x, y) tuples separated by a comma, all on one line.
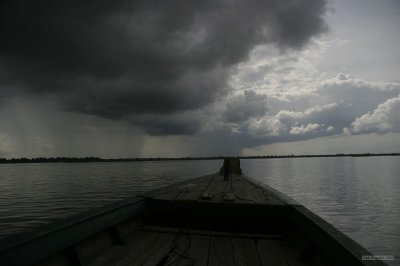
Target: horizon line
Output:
[(99, 159)]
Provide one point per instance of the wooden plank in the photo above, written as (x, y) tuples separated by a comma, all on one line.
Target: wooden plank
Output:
[(247, 192), (115, 254), (158, 252), (171, 187), (236, 187), (155, 246), (169, 195), (198, 251), (261, 194), (245, 252), (277, 196), (217, 188), (92, 247), (270, 253), (193, 191), (292, 254), (187, 250), (186, 191), (221, 252), (174, 230), (255, 194)]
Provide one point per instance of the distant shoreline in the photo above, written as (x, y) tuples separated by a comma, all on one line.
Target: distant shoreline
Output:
[(97, 159)]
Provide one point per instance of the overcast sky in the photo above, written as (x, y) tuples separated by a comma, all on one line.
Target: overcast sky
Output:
[(199, 78)]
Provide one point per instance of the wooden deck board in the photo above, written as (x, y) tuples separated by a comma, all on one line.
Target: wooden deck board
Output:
[(245, 252), (221, 252), (198, 251), (247, 192), (193, 191), (169, 195), (149, 250), (291, 254), (214, 185), (271, 253), (174, 230), (118, 252), (217, 189), (172, 247), (260, 194)]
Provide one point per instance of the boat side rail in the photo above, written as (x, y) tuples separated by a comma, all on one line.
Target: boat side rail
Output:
[(57, 236), (334, 244)]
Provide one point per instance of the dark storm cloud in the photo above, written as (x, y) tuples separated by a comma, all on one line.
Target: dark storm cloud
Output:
[(121, 58)]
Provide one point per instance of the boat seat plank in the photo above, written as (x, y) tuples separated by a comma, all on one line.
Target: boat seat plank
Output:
[(245, 252), (221, 252)]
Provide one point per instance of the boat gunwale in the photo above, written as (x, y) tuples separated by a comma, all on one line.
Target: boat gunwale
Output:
[(87, 223)]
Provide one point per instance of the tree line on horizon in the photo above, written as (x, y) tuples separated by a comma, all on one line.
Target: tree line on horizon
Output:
[(98, 159)]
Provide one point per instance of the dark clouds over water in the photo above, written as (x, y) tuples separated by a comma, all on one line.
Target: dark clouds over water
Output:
[(147, 62)]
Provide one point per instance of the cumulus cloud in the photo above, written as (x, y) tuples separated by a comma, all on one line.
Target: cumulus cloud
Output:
[(385, 118), (269, 126), (303, 129), (335, 106), (242, 107), (142, 57)]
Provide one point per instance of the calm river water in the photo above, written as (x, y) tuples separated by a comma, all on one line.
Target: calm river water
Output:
[(360, 196)]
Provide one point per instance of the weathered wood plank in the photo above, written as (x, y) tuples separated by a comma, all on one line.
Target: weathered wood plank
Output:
[(197, 253), (247, 192), (254, 193), (277, 196), (236, 187), (245, 252), (187, 190), (263, 194), (158, 251), (174, 230), (221, 252), (169, 195), (116, 253), (271, 253), (217, 189), (292, 254), (92, 247), (155, 247), (193, 190)]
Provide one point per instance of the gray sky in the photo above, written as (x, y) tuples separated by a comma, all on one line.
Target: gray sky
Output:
[(199, 78)]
